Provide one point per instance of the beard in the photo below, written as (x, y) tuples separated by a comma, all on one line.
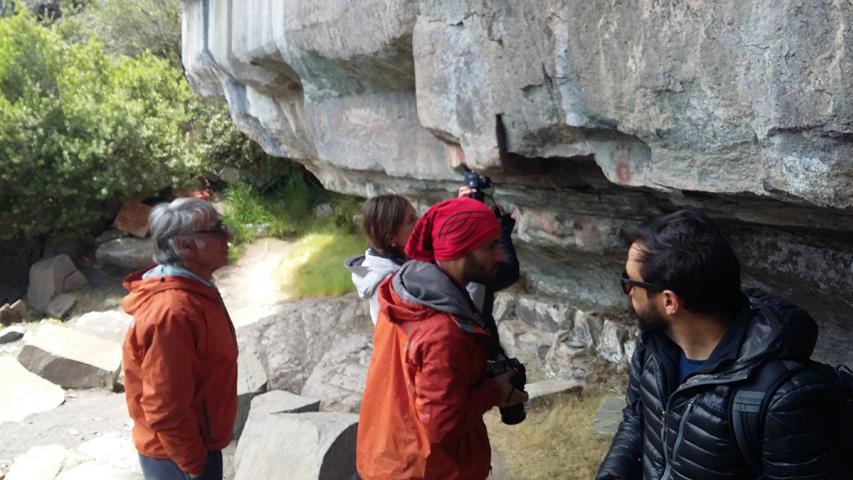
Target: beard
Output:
[(473, 271), (649, 319)]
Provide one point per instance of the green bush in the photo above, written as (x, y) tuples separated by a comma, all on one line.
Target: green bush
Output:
[(79, 128), (287, 209)]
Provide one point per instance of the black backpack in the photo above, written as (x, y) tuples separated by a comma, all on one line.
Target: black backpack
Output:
[(751, 400)]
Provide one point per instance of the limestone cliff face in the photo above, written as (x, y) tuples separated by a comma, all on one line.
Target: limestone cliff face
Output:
[(588, 115)]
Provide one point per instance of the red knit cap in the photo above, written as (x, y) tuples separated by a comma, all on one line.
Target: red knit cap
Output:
[(452, 229)]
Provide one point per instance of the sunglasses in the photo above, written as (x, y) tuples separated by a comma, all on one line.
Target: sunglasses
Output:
[(218, 229), (628, 284)]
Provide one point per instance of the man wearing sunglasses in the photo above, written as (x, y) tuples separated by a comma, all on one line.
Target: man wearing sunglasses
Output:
[(700, 339), (180, 352)]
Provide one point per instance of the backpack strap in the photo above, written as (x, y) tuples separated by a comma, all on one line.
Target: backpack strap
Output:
[(749, 406)]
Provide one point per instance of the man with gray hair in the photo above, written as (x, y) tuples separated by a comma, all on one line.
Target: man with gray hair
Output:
[(180, 352)]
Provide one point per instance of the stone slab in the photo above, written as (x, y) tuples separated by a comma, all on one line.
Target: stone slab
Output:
[(39, 463), (108, 324), (609, 416), (308, 445), (23, 393), (61, 305), (72, 359), (126, 252), (12, 334), (540, 393), (133, 219), (280, 401), (47, 279)]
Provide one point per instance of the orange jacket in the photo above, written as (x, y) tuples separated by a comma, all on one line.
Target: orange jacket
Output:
[(426, 392), (180, 367)]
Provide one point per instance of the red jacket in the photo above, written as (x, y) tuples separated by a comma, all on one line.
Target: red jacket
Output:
[(180, 367), (426, 393)]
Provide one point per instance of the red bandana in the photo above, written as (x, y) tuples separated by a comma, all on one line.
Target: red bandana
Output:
[(452, 229)]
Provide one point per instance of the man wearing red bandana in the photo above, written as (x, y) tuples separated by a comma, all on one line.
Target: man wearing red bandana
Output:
[(427, 389)]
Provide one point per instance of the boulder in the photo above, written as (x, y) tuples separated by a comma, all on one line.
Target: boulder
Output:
[(338, 379), (47, 280), (584, 137), (109, 235), (13, 313), (324, 210), (609, 416), (113, 449), (504, 306), (128, 252), (280, 401), (23, 393), (12, 334), (527, 343), (545, 391), (610, 346), (229, 175), (75, 281), (39, 463), (568, 362), (72, 359), (109, 324), (292, 340), (587, 329), (251, 381), (544, 315), (61, 305), (306, 445)]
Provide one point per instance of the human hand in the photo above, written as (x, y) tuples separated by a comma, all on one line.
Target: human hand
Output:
[(509, 395), (465, 191)]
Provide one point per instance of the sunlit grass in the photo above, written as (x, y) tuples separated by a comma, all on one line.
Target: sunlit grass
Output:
[(315, 266), (556, 441), (284, 211)]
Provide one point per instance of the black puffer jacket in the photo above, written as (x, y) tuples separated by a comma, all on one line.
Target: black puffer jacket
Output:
[(672, 431)]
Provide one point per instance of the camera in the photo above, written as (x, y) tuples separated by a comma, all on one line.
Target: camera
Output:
[(480, 182), (515, 414)]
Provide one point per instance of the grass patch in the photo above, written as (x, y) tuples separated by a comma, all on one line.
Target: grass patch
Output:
[(315, 265), (286, 210), (556, 441)]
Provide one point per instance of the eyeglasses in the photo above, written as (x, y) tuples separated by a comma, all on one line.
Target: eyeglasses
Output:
[(218, 229), (628, 284)]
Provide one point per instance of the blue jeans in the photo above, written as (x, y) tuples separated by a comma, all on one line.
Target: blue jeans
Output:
[(166, 469)]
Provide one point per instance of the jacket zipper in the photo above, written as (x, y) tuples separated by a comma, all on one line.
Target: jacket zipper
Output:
[(681, 425), (667, 471)]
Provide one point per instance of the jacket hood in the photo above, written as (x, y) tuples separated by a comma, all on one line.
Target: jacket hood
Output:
[(142, 289), (421, 288), (369, 270)]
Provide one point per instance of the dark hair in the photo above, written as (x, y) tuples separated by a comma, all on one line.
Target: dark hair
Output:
[(382, 217), (688, 254)]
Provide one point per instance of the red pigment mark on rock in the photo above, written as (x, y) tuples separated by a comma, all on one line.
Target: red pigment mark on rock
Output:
[(623, 172), (545, 222)]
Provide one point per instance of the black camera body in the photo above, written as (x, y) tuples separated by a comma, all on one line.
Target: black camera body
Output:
[(515, 414), (480, 182)]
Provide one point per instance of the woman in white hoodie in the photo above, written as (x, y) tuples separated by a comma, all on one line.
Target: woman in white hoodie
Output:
[(387, 221)]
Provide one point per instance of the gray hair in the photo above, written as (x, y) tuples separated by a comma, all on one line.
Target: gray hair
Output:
[(168, 221)]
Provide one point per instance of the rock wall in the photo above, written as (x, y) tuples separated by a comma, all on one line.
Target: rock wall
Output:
[(589, 116)]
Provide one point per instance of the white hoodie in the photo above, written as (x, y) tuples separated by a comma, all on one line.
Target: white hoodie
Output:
[(369, 270)]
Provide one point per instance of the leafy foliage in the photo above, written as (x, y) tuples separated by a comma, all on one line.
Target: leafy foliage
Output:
[(79, 128)]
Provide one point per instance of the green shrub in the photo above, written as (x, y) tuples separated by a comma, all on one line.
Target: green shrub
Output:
[(286, 209), (79, 128)]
